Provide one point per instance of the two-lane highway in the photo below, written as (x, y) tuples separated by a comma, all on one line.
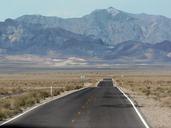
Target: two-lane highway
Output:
[(103, 106)]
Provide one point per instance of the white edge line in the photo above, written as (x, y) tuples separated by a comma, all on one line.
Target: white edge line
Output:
[(136, 110), (25, 112)]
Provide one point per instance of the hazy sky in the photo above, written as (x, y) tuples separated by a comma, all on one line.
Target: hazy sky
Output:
[(77, 8)]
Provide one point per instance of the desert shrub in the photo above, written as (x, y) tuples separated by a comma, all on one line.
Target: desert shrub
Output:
[(21, 95), (3, 114), (78, 86), (146, 91), (57, 92), (17, 90), (6, 113), (69, 87), (42, 94)]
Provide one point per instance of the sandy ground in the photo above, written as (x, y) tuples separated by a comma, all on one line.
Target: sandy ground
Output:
[(156, 115)]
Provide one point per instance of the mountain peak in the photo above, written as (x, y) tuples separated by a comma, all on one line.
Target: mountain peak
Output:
[(113, 11)]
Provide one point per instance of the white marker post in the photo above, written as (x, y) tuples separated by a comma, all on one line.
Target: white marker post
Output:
[(51, 91), (82, 77)]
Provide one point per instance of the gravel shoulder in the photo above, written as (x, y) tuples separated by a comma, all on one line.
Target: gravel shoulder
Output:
[(157, 115)]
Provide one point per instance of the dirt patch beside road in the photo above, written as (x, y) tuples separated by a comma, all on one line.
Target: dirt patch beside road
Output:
[(152, 95)]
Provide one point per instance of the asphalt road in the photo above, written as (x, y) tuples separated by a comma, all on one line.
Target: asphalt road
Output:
[(97, 107)]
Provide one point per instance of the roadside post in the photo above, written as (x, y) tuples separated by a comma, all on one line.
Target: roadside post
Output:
[(122, 76), (82, 77), (51, 91)]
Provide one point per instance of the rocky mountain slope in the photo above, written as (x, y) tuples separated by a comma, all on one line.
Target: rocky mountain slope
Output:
[(111, 25), (106, 36)]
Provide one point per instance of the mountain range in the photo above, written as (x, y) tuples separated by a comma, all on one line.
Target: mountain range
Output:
[(105, 36)]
